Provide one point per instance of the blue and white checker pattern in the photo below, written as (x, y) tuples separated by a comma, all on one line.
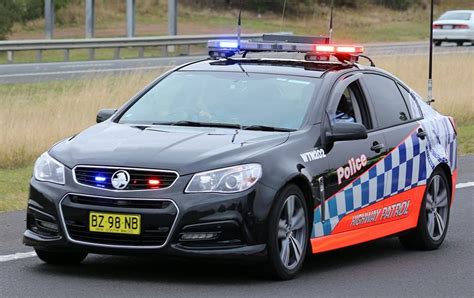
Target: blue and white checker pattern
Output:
[(400, 170), (409, 165)]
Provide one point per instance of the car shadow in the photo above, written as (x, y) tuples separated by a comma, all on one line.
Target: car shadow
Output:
[(211, 272)]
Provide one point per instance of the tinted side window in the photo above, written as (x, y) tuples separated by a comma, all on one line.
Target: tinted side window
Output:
[(412, 104), (389, 105)]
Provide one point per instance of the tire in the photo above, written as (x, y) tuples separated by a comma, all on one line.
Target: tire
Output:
[(60, 258), (433, 219), (460, 43), (437, 43), (288, 239)]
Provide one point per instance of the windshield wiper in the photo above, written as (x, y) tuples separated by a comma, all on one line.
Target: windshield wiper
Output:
[(266, 128), (198, 124), (225, 125)]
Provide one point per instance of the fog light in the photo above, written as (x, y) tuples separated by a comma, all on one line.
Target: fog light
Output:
[(47, 225), (199, 236)]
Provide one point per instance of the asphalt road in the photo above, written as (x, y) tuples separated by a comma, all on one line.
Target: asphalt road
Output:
[(380, 268), (37, 72)]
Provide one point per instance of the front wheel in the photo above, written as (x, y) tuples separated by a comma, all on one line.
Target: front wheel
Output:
[(60, 258), (288, 233), (434, 215), (437, 43)]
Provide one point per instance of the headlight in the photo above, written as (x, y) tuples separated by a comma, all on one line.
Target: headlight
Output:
[(49, 169), (227, 180)]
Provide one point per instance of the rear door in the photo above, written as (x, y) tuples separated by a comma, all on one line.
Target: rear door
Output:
[(404, 166)]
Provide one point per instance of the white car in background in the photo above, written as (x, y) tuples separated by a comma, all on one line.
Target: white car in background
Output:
[(454, 26)]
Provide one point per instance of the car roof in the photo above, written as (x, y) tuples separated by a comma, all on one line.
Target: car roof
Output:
[(269, 66)]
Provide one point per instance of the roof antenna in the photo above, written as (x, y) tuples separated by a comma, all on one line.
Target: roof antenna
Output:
[(283, 15), (430, 68), (330, 21), (239, 25)]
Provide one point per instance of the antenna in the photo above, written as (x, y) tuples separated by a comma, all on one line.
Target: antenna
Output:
[(283, 15), (239, 25), (330, 21), (430, 68)]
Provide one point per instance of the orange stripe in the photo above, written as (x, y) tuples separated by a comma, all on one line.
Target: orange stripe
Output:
[(349, 231), (454, 178)]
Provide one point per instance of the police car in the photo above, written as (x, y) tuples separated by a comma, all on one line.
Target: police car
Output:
[(241, 156)]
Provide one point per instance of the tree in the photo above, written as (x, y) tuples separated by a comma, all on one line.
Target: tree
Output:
[(8, 16)]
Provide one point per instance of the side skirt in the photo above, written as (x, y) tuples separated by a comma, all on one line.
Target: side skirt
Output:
[(384, 218)]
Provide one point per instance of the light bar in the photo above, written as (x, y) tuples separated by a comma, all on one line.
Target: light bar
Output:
[(295, 44)]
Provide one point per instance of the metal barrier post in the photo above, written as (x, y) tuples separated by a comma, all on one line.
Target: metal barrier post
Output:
[(130, 18), (172, 21), (172, 17), (90, 16), (49, 18)]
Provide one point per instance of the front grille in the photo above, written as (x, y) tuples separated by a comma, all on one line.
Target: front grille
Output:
[(122, 203), (157, 219), (101, 177)]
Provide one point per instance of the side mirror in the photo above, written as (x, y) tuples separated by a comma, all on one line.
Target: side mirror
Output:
[(346, 131), (104, 114)]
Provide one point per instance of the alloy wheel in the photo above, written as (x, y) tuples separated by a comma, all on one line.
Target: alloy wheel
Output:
[(292, 232), (437, 200)]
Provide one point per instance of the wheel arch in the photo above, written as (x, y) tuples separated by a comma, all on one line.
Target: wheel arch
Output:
[(444, 167), (304, 185)]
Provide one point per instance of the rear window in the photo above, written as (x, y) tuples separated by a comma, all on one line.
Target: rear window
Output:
[(462, 16), (415, 110)]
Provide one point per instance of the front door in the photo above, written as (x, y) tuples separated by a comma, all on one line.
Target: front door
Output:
[(354, 181)]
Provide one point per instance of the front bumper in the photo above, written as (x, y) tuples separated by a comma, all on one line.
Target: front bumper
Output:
[(57, 220)]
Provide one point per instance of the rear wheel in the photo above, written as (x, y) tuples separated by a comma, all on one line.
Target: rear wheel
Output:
[(434, 215), (460, 43), (60, 258), (288, 233)]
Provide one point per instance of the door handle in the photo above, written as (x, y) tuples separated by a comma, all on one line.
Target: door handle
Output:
[(377, 147), (421, 134)]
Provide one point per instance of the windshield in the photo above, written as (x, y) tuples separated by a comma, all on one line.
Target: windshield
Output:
[(243, 99), (451, 15)]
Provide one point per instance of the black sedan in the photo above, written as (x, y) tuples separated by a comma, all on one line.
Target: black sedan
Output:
[(249, 158)]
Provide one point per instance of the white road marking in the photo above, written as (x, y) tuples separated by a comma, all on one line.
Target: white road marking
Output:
[(464, 185), (17, 256)]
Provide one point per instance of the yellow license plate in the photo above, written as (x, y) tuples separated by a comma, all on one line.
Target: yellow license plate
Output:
[(114, 223)]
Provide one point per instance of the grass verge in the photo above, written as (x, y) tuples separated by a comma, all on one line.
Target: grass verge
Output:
[(14, 188), (466, 138)]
